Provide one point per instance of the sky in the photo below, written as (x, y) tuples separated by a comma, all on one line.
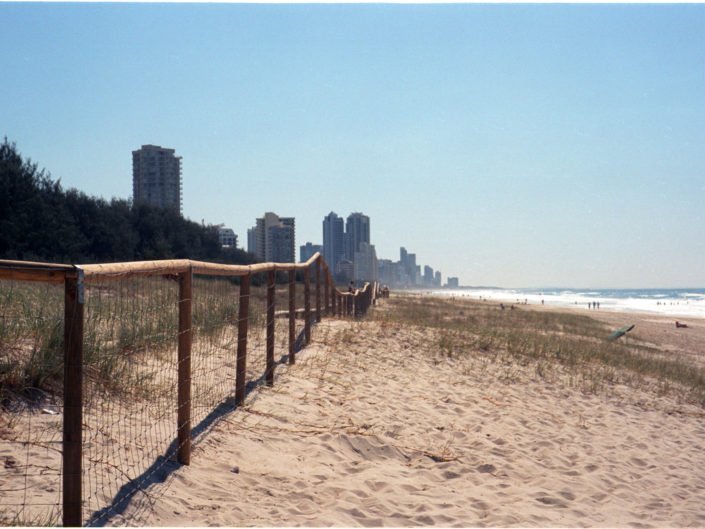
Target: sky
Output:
[(511, 145)]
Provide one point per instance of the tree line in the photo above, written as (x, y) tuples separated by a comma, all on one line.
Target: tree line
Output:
[(40, 221)]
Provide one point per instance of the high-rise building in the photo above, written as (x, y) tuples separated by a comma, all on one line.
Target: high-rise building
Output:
[(273, 239), (427, 276), (156, 177), (357, 230), (365, 266), (252, 240), (409, 268), (280, 244), (333, 239)]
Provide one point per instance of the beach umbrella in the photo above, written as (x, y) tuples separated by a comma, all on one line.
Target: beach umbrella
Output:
[(620, 332)]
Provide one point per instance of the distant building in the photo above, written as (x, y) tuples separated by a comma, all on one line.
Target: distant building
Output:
[(156, 177), (280, 244), (427, 276), (409, 274), (357, 231), (333, 239), (344, 271), (273, 239), (406, 273), (252, 240), (452, 282), (388, 272), (308, 250), (227, 237), (365, 263)]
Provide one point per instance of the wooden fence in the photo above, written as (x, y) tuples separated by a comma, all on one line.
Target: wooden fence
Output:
[(325, 300)]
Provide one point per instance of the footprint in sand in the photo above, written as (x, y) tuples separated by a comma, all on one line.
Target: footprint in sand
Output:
[(638, 462), (486, 469), (550, 501)]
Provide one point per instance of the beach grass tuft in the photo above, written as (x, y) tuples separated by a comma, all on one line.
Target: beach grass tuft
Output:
[(552, 341)]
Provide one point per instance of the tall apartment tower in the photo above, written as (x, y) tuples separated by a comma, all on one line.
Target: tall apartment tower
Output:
[(357, 230), (333, 240), (273, 239), (156, 177)]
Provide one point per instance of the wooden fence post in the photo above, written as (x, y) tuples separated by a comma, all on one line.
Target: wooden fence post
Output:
[(243, 316), (73, 400), (183, 426), (271, 284), (307, 305), (318, 289), (292, 316)]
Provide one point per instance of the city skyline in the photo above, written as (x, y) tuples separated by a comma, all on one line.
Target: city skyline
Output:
[(509, 145)]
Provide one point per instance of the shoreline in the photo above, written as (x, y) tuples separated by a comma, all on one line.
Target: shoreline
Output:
[(675, 308), (655, 330)]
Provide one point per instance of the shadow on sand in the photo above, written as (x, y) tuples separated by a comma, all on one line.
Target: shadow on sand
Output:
[(135, 492)]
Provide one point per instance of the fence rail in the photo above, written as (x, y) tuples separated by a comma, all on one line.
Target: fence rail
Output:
[(128, 332)]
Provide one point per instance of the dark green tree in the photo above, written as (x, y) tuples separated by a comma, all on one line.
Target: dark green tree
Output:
[(40, 221)]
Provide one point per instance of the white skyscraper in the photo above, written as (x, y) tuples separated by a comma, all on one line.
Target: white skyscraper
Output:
[(156, 177), (273, 239)]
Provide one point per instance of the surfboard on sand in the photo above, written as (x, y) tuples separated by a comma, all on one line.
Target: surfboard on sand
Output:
[(620, 332)]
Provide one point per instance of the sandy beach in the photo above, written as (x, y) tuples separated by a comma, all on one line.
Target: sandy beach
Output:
[(375, 426)]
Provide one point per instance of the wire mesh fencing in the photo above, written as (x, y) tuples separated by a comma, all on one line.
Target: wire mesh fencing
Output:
[(129, 387), (31, 403), (162, 355)]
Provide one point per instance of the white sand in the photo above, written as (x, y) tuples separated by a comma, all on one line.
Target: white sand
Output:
[(372, 427)]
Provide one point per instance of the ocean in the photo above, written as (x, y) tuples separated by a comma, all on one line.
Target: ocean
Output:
[(685, 302)]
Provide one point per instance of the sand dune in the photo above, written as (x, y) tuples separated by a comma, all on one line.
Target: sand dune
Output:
[(372, 427)]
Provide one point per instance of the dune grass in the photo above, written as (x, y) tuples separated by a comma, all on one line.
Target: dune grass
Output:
[(126, 325), (550, 341)]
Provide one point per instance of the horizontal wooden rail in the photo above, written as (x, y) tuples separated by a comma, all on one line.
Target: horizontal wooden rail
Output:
[(335, 302), (30, 271), (95, 272), (23, 270)]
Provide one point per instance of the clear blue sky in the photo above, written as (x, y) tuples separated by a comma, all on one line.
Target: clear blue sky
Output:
[(512, 145)]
